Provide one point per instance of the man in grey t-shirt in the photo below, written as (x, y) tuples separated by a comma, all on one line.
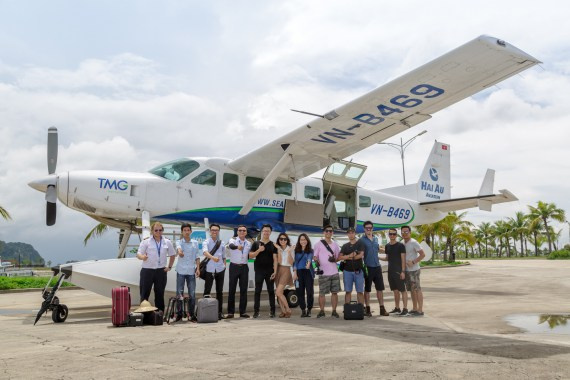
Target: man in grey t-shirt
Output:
[(414, 254)]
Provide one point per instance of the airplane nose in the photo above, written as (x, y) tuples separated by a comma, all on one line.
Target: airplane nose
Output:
[(42, 183)]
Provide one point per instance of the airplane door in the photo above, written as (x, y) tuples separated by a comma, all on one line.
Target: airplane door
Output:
[(339, 184), (162, 197), (200, 191)]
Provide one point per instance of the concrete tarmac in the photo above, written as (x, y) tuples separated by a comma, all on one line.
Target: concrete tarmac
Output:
[(462, 336)]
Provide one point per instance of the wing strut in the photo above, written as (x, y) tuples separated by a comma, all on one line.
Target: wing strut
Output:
[(271, 176)]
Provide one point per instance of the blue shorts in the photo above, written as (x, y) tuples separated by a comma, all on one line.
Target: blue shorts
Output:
[(353, 278)]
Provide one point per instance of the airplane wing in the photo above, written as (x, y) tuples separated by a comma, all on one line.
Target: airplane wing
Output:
[(386, 111), (484, 202)]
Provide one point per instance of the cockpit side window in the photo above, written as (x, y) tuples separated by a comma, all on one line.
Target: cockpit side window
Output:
[(175, 170)]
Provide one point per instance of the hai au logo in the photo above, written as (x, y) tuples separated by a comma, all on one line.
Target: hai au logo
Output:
[(433, 174)]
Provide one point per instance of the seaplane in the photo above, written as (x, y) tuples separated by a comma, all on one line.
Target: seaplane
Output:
[(273, 184)]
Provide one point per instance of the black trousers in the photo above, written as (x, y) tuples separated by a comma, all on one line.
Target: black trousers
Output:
[(306, 283), (261, 276), (238, 273), (148, 279), (219, 277)]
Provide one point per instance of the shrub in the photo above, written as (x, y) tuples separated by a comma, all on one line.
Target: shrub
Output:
[(27, 282), (561, 254)]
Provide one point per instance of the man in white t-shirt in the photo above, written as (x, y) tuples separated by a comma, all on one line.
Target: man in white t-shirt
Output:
[(414, 254)]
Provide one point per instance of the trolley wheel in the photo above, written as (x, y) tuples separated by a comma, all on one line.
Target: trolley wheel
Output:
[(292, 298), (59, 313)]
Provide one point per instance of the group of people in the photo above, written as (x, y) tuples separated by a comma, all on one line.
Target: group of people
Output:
[(282, 263)]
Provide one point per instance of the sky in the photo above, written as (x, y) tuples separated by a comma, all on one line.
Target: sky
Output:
[(132, 84)]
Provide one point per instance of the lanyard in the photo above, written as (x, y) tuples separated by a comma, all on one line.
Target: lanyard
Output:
[(158, 245)]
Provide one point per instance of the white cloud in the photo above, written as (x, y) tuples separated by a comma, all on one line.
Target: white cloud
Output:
[(118, 108)]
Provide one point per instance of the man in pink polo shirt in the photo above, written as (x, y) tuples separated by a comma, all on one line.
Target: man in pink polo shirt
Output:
[(326, 254)]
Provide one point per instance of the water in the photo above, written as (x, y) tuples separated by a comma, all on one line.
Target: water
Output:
[(541, 323)]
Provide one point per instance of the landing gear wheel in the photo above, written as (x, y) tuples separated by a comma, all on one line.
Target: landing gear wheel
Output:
[(59, 313), (292, 298)]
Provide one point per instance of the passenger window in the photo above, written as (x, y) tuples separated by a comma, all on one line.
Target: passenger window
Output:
[(312, 192), (230, 180), (252, 183), (283, 188), (207, 177), (364, 201)]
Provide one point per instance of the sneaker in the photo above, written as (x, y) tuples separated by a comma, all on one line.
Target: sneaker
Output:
[(367, 311), (178, 318), (193, 319), (396, 310), (308, 313), (383, 311), (303, 314), (256, 314), (228, 316), (404, 313), (413, 313), (419, 314), (321, 314), (334, 314), (272, 314), (244, 315)]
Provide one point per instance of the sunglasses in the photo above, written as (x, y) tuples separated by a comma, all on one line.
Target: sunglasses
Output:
[(214, 230), (405, 232), (392, 233), (158, 230), (328, 231), (242, 230), (284, 239)]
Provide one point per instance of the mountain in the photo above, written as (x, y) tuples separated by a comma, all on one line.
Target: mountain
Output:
[(22, 253)]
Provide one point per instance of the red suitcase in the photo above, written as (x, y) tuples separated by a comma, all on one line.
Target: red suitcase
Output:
[(121, 306)]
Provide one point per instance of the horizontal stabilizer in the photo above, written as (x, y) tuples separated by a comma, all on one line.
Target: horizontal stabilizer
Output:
[(484, 202)]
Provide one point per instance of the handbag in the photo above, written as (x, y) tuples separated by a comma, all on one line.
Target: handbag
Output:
[(205, 262)]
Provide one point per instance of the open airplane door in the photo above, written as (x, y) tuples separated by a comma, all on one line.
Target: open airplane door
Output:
[(339, 187)]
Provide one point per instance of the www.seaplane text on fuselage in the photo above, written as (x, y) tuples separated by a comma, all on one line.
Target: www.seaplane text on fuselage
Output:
[(272, 185)]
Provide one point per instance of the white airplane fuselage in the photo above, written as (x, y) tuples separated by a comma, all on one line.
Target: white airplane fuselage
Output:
[(124, 195)]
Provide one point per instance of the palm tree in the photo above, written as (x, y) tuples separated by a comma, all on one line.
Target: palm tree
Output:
[(518, 226), (4, 214), (545, 211), (97, 231), (485, 231), (535, 228), (500, 231), (452, 227)]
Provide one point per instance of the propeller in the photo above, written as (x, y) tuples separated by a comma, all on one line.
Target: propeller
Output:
[(51, 191)]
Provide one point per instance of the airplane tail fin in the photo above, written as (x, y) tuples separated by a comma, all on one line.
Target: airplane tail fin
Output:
[(435, 181)]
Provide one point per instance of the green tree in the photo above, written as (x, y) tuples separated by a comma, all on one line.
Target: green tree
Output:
[(97, 231), (518, 226), (452, 228), (545, 212), (484, 232)]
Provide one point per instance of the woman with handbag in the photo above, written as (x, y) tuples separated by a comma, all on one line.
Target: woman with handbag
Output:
[(282, 272), (303, 273)]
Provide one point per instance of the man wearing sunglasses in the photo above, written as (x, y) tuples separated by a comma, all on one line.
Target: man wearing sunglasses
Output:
[(153, 253), (396, 257), (374, 275), (239, 272), (414, 254)]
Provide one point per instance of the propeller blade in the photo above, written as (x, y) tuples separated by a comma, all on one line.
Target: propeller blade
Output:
[(52, 149), (50, 213)]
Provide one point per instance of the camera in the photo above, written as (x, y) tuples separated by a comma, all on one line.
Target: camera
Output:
[(319, 272), (332, 259)]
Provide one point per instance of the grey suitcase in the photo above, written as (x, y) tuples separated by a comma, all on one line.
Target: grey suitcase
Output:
[(207, 310)]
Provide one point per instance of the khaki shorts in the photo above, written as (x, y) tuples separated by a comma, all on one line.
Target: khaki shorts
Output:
[(413, 280), (329, 284)]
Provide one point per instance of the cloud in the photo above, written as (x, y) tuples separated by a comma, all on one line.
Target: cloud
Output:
[(224, 84)]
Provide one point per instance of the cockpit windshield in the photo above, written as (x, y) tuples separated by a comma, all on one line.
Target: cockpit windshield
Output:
[(175, 170)]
